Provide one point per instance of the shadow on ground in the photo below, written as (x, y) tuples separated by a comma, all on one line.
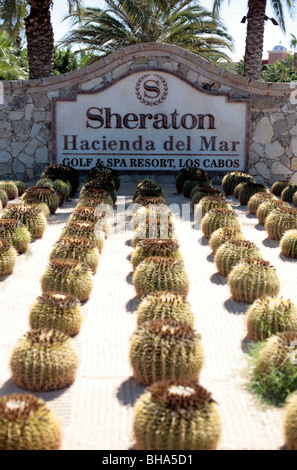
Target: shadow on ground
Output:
[(234, 307), (129, 391)]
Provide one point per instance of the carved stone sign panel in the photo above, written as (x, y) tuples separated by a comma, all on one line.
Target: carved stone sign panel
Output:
[(151, 120)]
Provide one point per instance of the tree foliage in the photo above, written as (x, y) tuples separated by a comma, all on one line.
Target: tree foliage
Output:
[(125, 22)]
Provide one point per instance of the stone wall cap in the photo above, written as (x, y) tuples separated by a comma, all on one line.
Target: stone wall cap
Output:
[(192, 60)]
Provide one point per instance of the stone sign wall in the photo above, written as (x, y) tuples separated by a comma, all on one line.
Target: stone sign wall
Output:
[(26, 113)]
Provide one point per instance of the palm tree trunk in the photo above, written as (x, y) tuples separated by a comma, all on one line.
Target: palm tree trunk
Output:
[(254, 39), (40, 39)]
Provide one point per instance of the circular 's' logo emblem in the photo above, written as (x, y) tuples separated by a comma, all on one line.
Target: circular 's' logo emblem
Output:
[(151, 89)]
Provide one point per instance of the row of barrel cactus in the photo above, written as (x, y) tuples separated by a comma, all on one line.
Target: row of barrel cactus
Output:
[(45, 359), (20, 221), (270, 319), (166, 353)]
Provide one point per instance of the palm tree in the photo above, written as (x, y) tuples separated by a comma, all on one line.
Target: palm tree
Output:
[(39, 31), (124, 22), (256, 18), (10, 63), (293, 43)]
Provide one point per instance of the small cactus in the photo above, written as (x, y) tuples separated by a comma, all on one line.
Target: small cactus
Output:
[(27, 423), (100, 184), (62, 189), (8, 256), (155, 231), (253, 279), (10, 189), (38, 195), (81, 249), (67, 276), (104, 172), (150, 247), (270, 315), (92, 215), (44, 360), (3, 198), (257, 199), (223, 235), (150, 201), (15, 233), (288, 244), (265, 208), (164, 306), (198, 193), (233, 252), (288, 193), (183, 175), (248, 190), (56, 311), (232, 179), (31, 216), (290, 422), (210, 202), (148, 188), (161, 274), (101, 196), (165, 349), (277, 352), (84, 230), (21, 187), (64, 173), (278, 187), (189, 185), (144, 215), (280, 221), (176, 415), (217, 218)]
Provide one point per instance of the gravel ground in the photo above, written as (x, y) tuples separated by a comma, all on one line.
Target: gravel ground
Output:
[(96, 412)]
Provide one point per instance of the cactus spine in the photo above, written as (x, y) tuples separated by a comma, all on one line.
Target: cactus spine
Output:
[(248, 190), (223, 235), (3, 198), (38, 195), (164, 306), (266, 207), (233, 252), (176, 415), (279, 221), (288, 244), (232, 179), (290, 423), (84, 230), (253, 279), (56, 311), (67, 276), (10, 189), (15, 233), (277, 353), (31, 217), (8, 256), (150, 247), (165, 349), (257, 199), (288, 193), (80, 249), (217, 218), (270, 315), (210, 202), (278, 187), (44, 360), (161, 274), (26, 423)]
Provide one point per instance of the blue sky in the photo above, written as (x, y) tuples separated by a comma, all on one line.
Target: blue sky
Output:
[(232, 14)]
